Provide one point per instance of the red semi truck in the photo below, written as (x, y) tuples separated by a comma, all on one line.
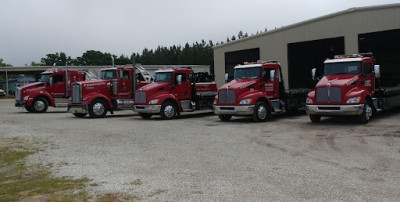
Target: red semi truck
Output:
[(256, 91), (114, 90), (174, 91), (351, 86), (53, 89)]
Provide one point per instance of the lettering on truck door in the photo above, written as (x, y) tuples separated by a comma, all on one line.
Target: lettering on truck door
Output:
[(125, 84), (267, 84), (367, 78), (182, 91), (57, 88)]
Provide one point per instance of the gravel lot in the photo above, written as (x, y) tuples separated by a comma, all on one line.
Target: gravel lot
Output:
[(199, 158)]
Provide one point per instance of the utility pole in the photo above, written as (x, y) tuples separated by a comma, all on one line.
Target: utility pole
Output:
[(6, 82)]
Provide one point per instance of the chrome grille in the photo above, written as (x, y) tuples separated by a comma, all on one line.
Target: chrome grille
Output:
[(140, 97), (76, 93), (18, 94), (226, 97), (329, 94)]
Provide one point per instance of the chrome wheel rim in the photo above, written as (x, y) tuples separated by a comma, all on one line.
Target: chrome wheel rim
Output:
[(169, 111), (368, 112), (98, 109), (39, 105), (262, 112)]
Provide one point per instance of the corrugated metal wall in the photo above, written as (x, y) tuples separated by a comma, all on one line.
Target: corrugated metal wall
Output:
[(347, 24)]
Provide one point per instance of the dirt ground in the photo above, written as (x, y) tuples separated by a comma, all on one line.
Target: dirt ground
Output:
[(200, 158)]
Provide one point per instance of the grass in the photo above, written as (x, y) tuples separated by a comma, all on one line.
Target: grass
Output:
[(21, 181)]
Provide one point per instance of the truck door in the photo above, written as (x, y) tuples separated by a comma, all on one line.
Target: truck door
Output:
[(125, 84), (182, 91), (367, 78), (270, 87), (57, 86)]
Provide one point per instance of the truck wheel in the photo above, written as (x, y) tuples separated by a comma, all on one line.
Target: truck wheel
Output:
[(315, 118), (39, 105), (224, 117), (98, 108), (145, 115), (367, 112), (80, 115), (261, 112), (168, 110)]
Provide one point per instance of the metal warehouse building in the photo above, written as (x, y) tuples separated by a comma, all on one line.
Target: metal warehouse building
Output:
[(305, 45)]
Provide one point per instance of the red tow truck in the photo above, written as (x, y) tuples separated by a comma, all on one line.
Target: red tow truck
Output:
[(351, 85), (53, 89), (174, 90), (114, 90), (256, 91)]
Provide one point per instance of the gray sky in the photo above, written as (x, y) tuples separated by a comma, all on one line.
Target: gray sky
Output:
[(30, 29)]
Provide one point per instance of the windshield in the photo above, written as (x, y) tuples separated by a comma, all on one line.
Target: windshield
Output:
[(107, 74), (247, 73), (342, 68), (163, 77), (45, 78)]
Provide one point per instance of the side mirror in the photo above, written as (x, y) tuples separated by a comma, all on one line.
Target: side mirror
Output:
[(313, 72), (272, 75), (377, 71), (121, 74), (51, 81), (179, 79), (226, 78)]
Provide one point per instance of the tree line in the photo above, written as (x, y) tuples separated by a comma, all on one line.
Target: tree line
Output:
[(197, 53)]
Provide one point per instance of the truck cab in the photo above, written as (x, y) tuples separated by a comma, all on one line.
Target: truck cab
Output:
[(114, 90), (173, 91), (350, 86), (257, 90), (53, 89)]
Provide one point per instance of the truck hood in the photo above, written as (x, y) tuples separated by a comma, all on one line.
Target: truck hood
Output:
[(239, 84), (33, 87), (337, 80), (94, 83), (154, 87)]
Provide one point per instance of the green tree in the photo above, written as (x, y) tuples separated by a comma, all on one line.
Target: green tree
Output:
[(2, 64)]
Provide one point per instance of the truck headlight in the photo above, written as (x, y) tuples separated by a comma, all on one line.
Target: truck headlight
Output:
[(84, 98), (215, 102), (309, 101), (353, 100), (245, 102), (152, 102), (26, 97)]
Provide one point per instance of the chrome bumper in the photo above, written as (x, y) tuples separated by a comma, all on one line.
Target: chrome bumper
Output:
[(148, 109), (334, 109), (20, 103), (234, 110), (78, 108)]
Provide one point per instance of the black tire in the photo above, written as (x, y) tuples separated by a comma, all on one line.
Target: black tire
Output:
[(29, 109), (80, 115), (315, 118), (98, 108), (168, 110), (224, 117), (39, 105), (145, 115), (367, 113), (261, 112)]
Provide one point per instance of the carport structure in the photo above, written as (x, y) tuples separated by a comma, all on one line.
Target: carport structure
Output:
[(305, 45)]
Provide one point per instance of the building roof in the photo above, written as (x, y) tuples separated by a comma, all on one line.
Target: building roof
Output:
[(324, 17)]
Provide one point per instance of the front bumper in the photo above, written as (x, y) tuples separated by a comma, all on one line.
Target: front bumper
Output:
[(234, 110), (19, 103), (334, 109), (147, 109), (78, 108)]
